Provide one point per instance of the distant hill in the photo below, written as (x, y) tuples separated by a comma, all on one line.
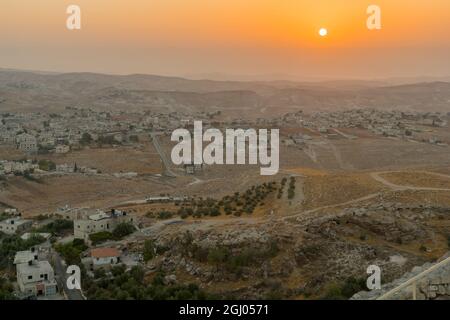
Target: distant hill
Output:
[(49, 92)]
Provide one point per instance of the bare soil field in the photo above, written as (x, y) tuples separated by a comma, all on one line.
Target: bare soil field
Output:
[(439, 198), (105, 191), (418, 179), (111, 160), (306, 171), (360, 133), (10, 153), (297, 130), (441, 133), (97, 191), (390, 154), (443, 170), (337, 188)]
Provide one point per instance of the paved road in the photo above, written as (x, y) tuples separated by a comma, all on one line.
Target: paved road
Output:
[(61, 278)]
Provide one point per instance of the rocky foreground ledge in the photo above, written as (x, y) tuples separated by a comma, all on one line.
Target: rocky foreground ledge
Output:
[(433, 286)]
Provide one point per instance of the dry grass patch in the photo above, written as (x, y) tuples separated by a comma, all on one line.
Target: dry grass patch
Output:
[(418, 179), (339, 188)]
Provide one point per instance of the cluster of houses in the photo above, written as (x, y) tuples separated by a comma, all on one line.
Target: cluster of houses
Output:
[(399, 124), (32, 133), (59, 133), (35, 274), (10, 167), (67, 130), (71, 168), (387, 123)]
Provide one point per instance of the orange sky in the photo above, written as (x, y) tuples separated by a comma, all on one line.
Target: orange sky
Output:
[(180, 37)]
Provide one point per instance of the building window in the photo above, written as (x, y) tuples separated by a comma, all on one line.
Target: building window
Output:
[(30, 277)]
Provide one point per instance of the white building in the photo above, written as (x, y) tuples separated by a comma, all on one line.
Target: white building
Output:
[(62, 148), (99, 222), (103, 258), (25, 256), (27, 143), (14, 225), (29, 235), (7, 167), (8, 137), (66, 168), (12, 211), (34, 277), (69, 213)]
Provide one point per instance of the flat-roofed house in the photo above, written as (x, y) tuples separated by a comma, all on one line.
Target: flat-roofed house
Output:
[(25, 256), (102, 221), (15, 225), (34, 277)]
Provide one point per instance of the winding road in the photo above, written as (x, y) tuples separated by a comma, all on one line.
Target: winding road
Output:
[(306, 214)]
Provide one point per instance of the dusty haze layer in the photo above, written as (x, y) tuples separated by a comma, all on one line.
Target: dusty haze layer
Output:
[(252, 37), (29, 91)]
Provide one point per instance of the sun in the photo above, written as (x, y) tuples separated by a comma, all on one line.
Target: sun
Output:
[(323, 32)]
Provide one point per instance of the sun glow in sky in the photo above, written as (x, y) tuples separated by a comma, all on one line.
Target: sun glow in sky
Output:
[(182, 37), (323, 32)]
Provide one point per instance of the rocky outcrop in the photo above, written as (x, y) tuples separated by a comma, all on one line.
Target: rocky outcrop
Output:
[(434, 285)]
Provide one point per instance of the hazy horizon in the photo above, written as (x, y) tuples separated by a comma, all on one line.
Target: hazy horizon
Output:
[(256, 39), (217, 76)]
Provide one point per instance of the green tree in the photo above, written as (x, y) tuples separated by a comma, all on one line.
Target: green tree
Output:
[(86, 138), (47, 165), (217, 255), (122, 230), (149, 250)]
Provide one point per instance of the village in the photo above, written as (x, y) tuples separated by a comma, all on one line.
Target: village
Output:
[(51, 241), (76, 128), (408, 126), (108, 240)]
